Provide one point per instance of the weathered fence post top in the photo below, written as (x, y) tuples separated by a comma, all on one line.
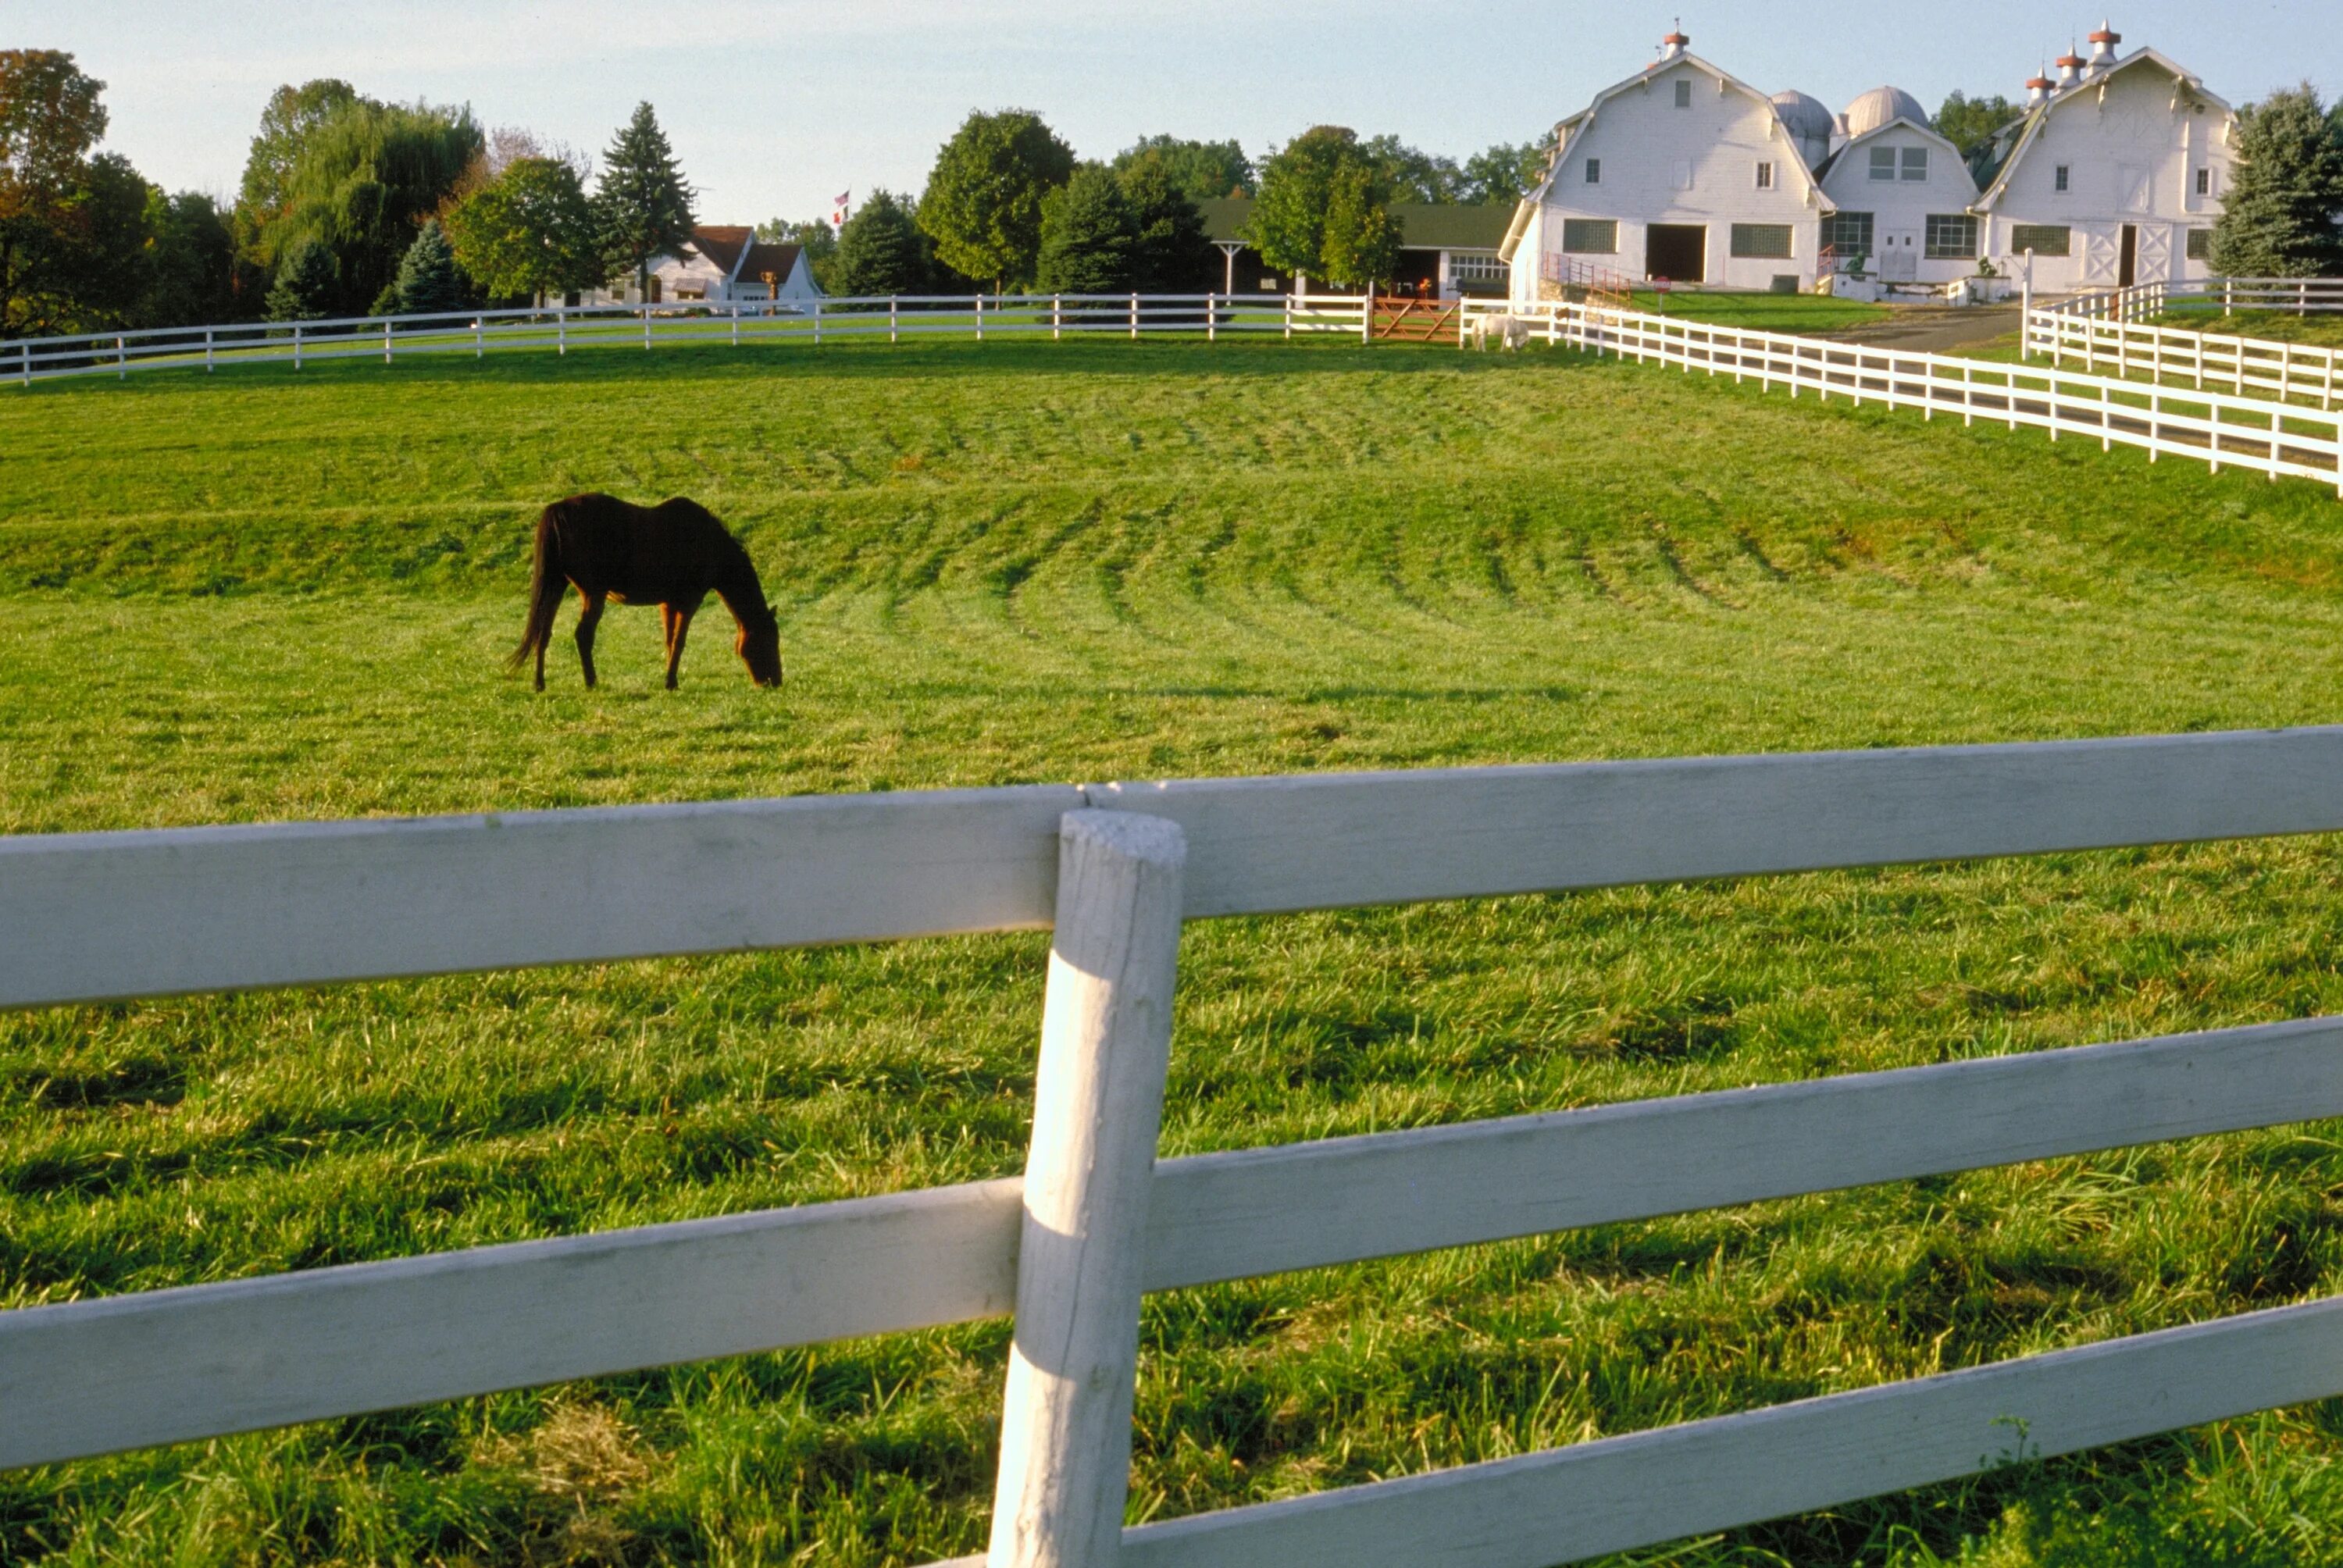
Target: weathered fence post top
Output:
[(1098, 1106)]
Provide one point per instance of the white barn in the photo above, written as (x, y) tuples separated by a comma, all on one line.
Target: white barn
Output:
[(1681, 172), (1900, 194), (2114, 176), (722, 263)]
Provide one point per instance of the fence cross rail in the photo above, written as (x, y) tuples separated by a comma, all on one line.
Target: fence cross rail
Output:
[(1115, 869)]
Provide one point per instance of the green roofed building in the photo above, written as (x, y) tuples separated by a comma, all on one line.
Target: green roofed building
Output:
[(1445, 249)]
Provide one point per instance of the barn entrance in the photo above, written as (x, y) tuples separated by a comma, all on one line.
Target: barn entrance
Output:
[(2127, 267), (1677, 251)]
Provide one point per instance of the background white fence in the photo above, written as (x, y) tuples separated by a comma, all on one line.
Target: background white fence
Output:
[(2117, 328), (563, 328), (1115, 869), (2146, 301), (2216, 428)]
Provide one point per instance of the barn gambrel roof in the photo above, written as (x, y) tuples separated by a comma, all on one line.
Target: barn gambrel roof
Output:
[(1996, 175), (1930, 131), (1578, 125)]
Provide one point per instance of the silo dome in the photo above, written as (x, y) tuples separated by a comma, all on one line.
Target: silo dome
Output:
[(1880, 106), (1803, 117)]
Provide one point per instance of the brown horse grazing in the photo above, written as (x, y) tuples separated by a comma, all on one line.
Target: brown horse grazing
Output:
[(670, 555)]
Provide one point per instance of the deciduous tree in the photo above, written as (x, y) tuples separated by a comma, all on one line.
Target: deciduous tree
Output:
[(815, 238), (2286, 186), (1969, 123), (526, 232), (1202, 171), (642, 208), (1324, 209), (983, 205), (1505, 171)]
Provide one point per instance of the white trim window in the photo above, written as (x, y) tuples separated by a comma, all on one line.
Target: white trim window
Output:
[(1952, 236), (1684, 92), (1595, 171), (1883, 163), (2062, 179), (1764, 175), (1590, 235), (1915, 163)]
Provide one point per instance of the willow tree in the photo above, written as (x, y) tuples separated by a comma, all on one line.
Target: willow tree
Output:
[(362, 180)]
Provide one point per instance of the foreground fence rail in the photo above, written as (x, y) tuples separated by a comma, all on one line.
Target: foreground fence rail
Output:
[(564, 327), (2221, 428), (2126, 329), (1115, 869)]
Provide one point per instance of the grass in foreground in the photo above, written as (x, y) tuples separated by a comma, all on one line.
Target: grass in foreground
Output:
[(266, 596)]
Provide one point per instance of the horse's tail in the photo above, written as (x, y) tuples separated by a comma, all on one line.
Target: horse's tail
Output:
[(545, 584)]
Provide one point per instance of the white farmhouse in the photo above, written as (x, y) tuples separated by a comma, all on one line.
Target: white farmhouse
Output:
[(723, 263), (1900, 194), (2114, 176), (1679, 172)]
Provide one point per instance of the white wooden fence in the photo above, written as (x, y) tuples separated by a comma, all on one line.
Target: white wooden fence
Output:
[(2217, 427), (2146, 301), (563, 328), (1096, 1220), (2117, 329)]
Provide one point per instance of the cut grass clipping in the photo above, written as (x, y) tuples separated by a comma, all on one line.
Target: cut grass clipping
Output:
[(266, 595)]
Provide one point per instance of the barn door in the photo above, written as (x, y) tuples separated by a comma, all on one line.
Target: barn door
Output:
[(1899, 255), (2154, 264), (2098, 257)]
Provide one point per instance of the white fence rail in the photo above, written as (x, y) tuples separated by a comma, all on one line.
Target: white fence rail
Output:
[(563, 328), (2119, 328), (2146, 301), (2221, 428), (1115, 868)]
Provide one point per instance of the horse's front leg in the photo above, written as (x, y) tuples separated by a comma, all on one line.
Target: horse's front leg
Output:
[(679, 624), (588, 617)]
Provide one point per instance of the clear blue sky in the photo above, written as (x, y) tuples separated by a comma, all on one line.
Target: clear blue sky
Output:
[(775, 106)]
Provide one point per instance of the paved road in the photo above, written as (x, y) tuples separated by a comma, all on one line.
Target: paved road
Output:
[(1934, 328)]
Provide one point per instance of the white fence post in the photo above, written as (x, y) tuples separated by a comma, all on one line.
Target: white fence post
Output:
[(1057, 316), (1134, 318), (121, 360), (561, 331), (817, 321), (736, 323), (385, 340), (980, 318), (297, 346), (890, 318), (207, 350), (1098, 1106), (647, 326), (1211, 317), (1367, 316)]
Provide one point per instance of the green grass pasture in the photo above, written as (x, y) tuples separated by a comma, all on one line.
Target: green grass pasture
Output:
[(266, 595), (1762, 312)]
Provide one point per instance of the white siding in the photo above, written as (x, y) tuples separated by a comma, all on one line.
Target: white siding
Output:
[(1647, 146), (2132, 154), (1900, 207)]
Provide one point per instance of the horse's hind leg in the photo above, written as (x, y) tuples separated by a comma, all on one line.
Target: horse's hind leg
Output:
[(679, 624), (587, 617)]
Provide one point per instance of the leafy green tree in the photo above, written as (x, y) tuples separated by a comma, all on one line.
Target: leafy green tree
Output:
[(642, 208), (1169, 253), (812, 235), (290, 117), (983, 205), (190, 274), (526, 232), (880, 250), (1324, 209), (429, 280), (2277, 217), (307, 278), (363, 178), (1087, 233), (1414, 174), (1362, 239), (1505, 171), (1202, 171), (1969, 123), (50, 119)]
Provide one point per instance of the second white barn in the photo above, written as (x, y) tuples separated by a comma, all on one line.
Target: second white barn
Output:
[(1900, 195), (1680, 172)]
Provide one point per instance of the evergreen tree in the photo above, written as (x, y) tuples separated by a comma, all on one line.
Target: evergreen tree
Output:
[(983, 205), (642, 207), (306, 278), (1087, 235), (428, 281), (1169, 253), (2277, 217), (880, 251)]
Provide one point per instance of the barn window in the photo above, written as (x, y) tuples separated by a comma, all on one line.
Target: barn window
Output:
[(1916, 163), (2041, 238), (1765, 241), (2204, 182), (2058, 178), (1595, 171), (1683, 94), (2200, 244), (1883, 163), (1591, 235), (1848, 234), (1764, 176), (1952, 236)]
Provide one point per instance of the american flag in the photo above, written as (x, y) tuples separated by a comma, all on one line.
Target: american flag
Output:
[(837, 209)]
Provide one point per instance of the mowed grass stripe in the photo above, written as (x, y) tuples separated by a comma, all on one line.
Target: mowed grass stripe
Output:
[(259, 596)]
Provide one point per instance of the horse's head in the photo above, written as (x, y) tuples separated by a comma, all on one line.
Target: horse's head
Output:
[(759, 648)]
